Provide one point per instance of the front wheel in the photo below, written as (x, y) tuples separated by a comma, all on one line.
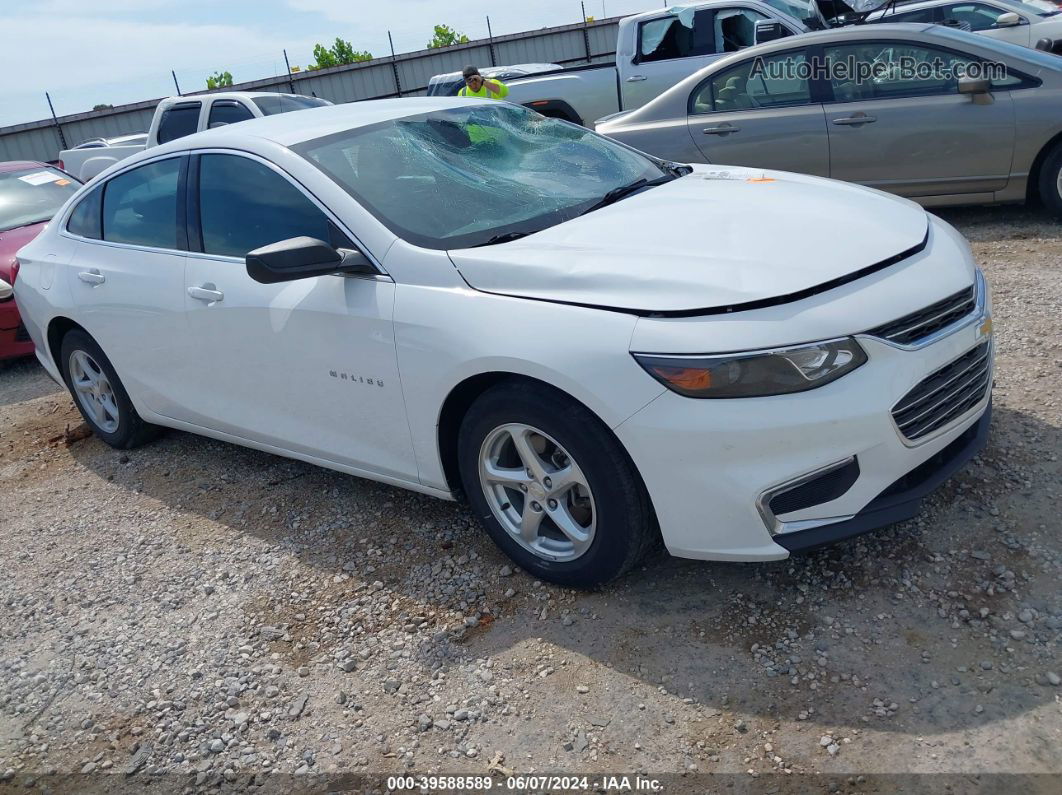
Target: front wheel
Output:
[(1050, 186), (99, 394), (553, 487)]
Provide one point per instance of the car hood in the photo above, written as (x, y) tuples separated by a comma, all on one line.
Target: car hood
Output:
[(10, 242), (718, 237)]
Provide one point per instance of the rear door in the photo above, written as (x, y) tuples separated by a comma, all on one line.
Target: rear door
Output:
[(677, 44), (177, 121), (127, 276), (761, 112), (915, 135)]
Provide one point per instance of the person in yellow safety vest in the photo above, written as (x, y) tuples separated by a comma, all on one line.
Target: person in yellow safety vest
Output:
[(478, 86)]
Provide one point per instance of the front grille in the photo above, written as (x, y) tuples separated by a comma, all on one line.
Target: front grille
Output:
[(825, 487), (946, 394), (21, 333), (916, 326)]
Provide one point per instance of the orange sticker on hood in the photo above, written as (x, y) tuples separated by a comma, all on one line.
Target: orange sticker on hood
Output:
[(760, 179)]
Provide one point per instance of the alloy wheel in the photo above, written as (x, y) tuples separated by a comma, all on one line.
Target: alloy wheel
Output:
[(94, 391), (537, 492)]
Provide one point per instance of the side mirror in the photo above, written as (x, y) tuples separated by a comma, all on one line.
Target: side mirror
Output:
[(1008, 20), (974, 85), (979, 89), (6, 290), (769, 30), (302, 258)]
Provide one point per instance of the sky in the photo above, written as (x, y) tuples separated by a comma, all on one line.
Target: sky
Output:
[(88, 52)]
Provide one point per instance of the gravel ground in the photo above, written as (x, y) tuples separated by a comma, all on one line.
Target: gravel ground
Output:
[(192, 614)]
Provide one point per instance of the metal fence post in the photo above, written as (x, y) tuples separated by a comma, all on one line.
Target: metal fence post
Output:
[(394, 65), (586, 32), (58, 128), (291, 80)]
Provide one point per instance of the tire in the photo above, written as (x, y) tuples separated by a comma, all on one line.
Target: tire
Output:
[(84, 363), (1050, 183), (608, 503)]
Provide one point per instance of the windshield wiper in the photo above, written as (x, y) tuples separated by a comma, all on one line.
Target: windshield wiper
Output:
[(502, 238), (623, 191)]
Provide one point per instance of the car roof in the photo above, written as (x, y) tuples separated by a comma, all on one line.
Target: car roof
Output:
[(21, 165), (288, 129)]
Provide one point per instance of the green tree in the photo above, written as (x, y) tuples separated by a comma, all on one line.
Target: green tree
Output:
[(219, 80), (339, 54), (102, 107), (445, 36)]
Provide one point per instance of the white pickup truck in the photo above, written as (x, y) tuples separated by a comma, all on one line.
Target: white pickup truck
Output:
[(654, 50), (176, 117)]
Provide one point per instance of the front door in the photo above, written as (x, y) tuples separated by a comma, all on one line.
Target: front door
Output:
[(916, 135), (673, 46), (981, 18), (761, 113), (308, 365)]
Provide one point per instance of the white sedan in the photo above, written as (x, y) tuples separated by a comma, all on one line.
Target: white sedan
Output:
[(595, 348)]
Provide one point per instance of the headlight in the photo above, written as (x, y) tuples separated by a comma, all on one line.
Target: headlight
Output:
[(757, 373)]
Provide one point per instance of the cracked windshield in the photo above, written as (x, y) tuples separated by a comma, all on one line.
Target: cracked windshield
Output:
[(469, 176)]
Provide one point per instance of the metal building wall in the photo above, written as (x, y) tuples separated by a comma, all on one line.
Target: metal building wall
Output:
[(568, 45)]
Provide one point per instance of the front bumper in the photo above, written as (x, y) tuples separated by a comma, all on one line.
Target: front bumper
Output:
[(708, 464), (903, 499)]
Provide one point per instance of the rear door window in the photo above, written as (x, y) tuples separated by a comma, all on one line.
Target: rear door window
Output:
[(85, 219), (178, 121), (140, 206), (768, 82)]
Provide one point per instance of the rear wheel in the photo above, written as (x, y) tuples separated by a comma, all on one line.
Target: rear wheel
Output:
[(99, 394), (1051, 180), (553, 487)]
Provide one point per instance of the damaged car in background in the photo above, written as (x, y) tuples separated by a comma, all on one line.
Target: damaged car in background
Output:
[(596, 348)]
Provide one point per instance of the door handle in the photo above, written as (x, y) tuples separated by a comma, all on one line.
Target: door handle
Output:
[(721, 129), (206, 293), (92, 276), (855, 119), (636, 78)]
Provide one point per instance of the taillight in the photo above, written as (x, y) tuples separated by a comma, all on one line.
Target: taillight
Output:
[(14, 271), (62, 166)]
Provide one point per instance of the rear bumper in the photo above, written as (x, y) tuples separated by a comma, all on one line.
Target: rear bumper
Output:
[(903, 499), (14, 339)]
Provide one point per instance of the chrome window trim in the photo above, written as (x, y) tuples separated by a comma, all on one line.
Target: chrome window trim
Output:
[(775, 526), (976, 315)]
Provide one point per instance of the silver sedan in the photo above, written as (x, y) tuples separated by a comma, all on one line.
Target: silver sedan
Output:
[(931, 113)]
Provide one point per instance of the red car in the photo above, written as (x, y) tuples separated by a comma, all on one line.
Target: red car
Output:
[(30, 194)]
